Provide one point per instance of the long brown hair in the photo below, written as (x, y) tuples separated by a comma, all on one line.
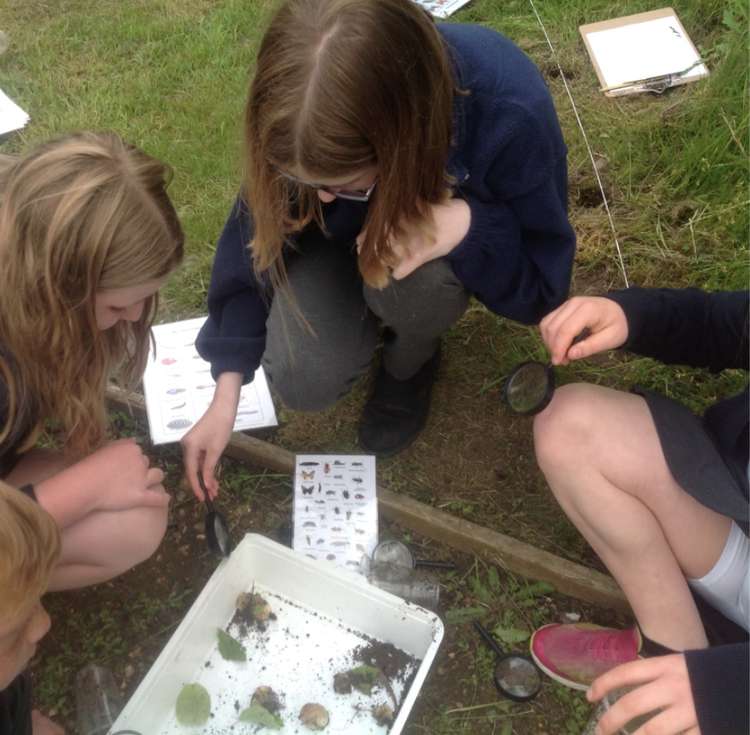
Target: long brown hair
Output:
[(342, 85), (81, 214)]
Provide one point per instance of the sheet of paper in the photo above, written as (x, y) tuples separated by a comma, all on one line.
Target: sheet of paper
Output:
[(12, 117), (442, 8), (335, 507), (178, 386), (642, 50)]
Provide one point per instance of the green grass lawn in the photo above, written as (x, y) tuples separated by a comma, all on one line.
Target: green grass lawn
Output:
[(171, 76)]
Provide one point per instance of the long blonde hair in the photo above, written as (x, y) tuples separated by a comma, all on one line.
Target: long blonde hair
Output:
[(341, 85), (29, 550), (77, 215)]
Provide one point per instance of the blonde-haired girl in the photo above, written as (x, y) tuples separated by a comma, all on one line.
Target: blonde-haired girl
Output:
[(29, 550), (87, 237), (394, 168)]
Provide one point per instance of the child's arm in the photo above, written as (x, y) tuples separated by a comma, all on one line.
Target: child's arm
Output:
[(115, 477)]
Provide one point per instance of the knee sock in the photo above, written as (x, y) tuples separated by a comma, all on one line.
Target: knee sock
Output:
[(727, 586)]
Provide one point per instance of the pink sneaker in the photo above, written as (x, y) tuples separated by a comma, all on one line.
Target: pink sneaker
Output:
[(575, 654)]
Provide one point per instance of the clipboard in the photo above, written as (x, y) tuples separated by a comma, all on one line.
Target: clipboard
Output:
[(645, 52)]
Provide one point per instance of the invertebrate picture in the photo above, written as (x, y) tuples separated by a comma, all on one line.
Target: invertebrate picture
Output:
[(308, 490), (358, 480), (346, 494), (179, 424), (308, 464), (308, 474)]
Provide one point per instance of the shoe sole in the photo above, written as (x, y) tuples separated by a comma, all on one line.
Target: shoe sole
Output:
[(559, 677)]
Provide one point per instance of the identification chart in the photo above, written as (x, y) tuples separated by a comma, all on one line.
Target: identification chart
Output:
[(178, 386), (335, 507)]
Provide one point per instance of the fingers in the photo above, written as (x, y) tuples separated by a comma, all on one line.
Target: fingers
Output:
[(154, 476), (629, 674), (155, 497), (641, 701), (191, 460), (210, 460)]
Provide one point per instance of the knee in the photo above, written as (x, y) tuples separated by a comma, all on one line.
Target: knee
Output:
[(144, 530), (564, 430), (303, 388), (429, 300)]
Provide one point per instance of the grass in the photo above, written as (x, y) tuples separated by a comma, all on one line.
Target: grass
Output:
[(171, 76)]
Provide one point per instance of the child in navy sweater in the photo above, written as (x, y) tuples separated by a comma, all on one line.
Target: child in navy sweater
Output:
[(394, 169)]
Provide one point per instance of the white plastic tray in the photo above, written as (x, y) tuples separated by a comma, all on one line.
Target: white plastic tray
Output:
[(323, 613)]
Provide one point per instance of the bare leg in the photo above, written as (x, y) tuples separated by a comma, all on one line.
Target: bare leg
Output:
[(601, 455), (101, 545)]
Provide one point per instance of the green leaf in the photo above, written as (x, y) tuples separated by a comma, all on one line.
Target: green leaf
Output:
[(364, 678), (458, 615), (510, 635), (259, 715), (193, 705), (229, 648)]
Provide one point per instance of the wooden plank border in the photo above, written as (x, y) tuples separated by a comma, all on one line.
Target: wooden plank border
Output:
[(516, 556)]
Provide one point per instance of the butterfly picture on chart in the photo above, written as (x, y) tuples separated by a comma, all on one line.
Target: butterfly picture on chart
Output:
[(308, 475)]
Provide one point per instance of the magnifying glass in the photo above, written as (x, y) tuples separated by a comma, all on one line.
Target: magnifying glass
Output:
[(516, 675), (398, 554), (217, 530), (531, 385)]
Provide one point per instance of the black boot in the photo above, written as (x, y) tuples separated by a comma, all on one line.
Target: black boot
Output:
[(397, 410)]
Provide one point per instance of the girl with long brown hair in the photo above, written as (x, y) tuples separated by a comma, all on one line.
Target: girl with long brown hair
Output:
[(87, 237), (394, 168)]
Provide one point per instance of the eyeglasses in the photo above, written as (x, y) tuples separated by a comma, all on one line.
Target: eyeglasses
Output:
[(354, 195)]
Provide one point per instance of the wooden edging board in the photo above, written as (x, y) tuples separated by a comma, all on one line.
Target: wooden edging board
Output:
[(519, 557)]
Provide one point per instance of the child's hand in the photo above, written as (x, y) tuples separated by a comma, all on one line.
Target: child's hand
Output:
[(662, 683), (116, 477), (604, 318), (204, 444), (41, 725)]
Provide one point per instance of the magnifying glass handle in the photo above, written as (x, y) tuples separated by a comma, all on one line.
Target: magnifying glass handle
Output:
[(433, 564), (488, 639), (206, 497)]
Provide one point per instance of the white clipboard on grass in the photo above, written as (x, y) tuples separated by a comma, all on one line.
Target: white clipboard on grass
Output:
[(646, 52)]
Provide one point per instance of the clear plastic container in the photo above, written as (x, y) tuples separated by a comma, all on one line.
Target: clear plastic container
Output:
[(605, 703), (98, 700)]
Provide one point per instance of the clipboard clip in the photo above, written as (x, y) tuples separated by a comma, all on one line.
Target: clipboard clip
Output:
[(655, 85)]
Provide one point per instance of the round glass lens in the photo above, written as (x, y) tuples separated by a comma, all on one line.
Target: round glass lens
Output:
[(518, 677), (393, 552), (528, 387)]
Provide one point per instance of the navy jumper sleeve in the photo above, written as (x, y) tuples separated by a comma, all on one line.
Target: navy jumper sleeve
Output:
[(687, 326), (720, 681), (234, 335)]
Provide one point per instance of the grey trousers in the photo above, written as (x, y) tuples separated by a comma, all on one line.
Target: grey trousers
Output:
[(311, 367)]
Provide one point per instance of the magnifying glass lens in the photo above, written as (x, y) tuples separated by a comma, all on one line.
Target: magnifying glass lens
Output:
[(221, 536), (528, 388), (393, 552), (517, 677)]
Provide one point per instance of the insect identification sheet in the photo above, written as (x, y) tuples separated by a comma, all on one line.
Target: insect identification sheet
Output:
[(335, 507), (178, 386)]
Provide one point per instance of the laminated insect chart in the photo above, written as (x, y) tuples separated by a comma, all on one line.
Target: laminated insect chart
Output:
[(178, 386), (335, 507)]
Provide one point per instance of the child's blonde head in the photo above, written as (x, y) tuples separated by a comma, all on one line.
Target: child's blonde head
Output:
[(78, 215), (29, 549)]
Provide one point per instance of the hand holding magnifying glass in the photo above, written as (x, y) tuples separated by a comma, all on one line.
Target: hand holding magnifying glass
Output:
[(531, 385)]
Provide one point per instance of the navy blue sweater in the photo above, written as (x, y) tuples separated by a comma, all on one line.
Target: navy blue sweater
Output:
[(509, 162)]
